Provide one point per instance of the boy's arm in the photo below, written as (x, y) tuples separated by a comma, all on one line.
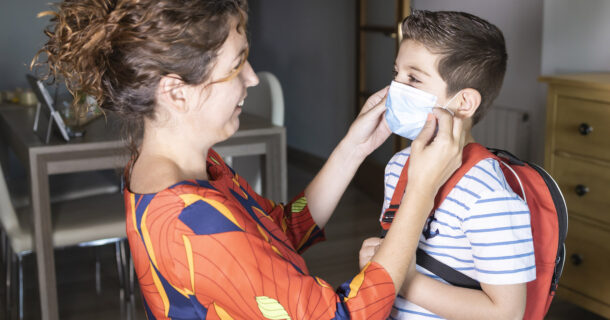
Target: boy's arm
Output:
[(498, 229), (450, 302)]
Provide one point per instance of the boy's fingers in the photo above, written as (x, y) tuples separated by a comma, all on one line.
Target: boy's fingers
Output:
[(371, 242)]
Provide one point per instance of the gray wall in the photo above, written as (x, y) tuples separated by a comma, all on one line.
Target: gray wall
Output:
[(21, 36), (286, 33), (576, 36), (309, 45)]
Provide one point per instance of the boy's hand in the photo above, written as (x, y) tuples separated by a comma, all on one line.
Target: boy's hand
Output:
[(370, 129), (368, 250)]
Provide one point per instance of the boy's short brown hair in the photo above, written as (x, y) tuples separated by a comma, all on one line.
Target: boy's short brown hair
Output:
[(473, 52)]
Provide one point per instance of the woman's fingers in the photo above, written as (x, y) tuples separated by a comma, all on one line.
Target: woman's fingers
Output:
[(426, 134), (377, 109), (375, 99), (445, 123), (434, 158)]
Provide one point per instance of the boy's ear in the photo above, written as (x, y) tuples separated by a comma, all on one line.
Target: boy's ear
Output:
[(171, 92), (469, 101)]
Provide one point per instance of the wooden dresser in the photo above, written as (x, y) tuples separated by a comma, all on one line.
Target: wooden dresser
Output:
[(577, 155)]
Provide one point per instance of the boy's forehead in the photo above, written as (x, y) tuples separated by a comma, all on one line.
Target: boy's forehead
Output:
[(414, 55)]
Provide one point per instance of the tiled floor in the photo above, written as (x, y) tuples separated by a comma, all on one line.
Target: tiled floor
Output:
[(335, 260)]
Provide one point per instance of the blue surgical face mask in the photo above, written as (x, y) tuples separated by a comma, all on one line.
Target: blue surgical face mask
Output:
[(408, 108)]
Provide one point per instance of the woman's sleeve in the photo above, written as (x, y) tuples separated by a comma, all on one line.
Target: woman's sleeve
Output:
[(236, 275), (293, 218)]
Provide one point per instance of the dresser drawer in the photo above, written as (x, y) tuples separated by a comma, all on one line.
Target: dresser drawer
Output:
[(575, 117), (585, 186), (587, 261)]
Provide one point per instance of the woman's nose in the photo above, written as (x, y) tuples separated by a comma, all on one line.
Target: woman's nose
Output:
[(249, 76)]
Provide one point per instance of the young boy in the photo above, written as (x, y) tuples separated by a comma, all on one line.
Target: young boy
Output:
[(482, 228)]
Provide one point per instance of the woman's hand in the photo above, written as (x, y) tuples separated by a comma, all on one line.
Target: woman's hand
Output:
[(367, 132), (368, 250), (370, 129), (434, 158)]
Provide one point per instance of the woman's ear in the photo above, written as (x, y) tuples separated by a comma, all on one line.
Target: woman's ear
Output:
[(171, 92), (468, 103)]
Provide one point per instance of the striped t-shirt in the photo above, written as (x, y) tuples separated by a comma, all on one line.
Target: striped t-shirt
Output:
[(483, 231)]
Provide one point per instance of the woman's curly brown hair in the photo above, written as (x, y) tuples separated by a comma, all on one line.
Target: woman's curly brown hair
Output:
[(118, 50)]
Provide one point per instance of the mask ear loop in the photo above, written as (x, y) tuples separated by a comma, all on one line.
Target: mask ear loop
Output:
[(446, 106)]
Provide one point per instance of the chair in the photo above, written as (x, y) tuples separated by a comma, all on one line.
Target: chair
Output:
[(63, 187), (266, 100), (87, 221)]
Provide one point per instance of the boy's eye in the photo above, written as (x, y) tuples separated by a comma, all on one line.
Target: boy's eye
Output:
[(413, 79)]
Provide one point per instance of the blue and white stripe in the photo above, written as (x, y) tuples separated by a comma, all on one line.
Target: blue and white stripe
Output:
[(484, 231)]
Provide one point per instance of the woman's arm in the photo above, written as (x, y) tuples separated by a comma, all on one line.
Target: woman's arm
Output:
[(433, 160), (366, 134)]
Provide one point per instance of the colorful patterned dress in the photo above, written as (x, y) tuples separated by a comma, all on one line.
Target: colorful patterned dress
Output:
[(217, 250)]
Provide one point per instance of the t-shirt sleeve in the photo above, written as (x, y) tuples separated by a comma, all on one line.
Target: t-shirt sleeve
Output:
[(235, 274), (293, 218), (498, 228)]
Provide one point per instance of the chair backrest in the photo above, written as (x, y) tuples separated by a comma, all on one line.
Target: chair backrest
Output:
[(8, 217), (266, 99)]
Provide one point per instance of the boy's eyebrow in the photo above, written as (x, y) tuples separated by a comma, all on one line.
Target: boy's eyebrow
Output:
[(419, 70)]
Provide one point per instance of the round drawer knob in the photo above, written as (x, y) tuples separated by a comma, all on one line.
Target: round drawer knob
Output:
[(576, 259), (585, 129), (581, 190)]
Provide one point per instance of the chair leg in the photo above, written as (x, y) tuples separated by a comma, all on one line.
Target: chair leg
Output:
[(98, 278), (10, 285), (132, 278), (121, 274), (8, 276), (130, 274), (3, 243), (21, 287)]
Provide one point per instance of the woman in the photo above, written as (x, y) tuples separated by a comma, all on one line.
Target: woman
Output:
[(204, 244)]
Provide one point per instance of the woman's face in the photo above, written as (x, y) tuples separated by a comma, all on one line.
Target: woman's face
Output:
[(216, 106)]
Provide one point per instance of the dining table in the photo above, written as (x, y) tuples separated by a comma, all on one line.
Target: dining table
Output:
[(102, 147)]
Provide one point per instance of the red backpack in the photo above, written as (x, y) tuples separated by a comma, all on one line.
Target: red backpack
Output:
[(548, 218)]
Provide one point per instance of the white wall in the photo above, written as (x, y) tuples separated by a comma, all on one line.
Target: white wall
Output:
[(521, 24), (576, 36)]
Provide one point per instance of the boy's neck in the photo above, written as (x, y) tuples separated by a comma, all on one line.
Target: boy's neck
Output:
[(468, 131), (469, 138)]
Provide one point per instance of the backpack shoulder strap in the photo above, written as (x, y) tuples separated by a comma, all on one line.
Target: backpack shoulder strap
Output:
[(471, 155), (444, 271)]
